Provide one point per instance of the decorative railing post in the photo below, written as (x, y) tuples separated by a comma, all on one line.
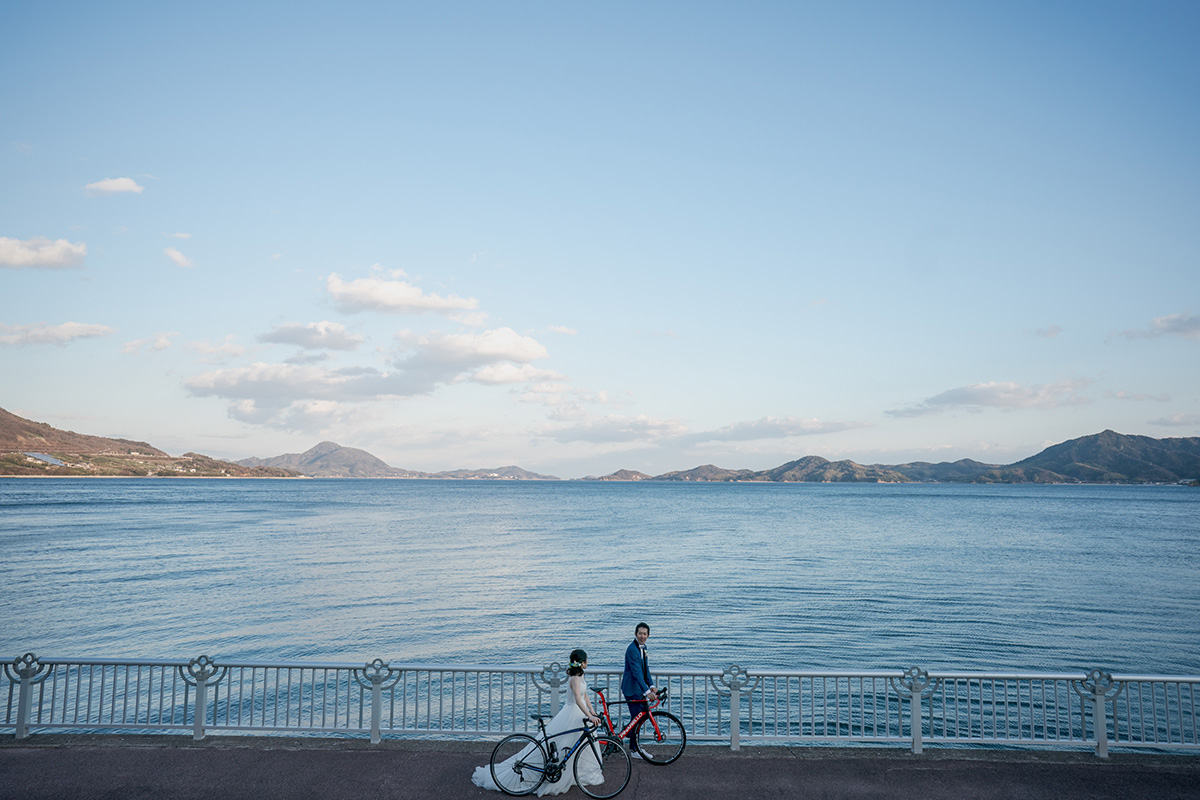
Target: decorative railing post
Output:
[(734, 680), (916, 684), (29, 671), (1100, 688), (377, 676), (551, 679), (201, 672)]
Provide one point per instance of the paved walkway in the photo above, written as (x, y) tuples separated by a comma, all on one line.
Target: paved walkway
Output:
[(60, 767)]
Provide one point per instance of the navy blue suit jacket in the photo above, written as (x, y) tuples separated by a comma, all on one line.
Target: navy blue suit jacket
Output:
[(636, 680)]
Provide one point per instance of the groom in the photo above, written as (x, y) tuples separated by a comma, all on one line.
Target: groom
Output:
[(635, 683)]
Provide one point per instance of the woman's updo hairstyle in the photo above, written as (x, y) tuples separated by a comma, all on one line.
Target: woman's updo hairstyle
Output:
[(578, 659)]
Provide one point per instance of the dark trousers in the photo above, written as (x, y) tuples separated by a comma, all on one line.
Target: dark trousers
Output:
[(635, 707)]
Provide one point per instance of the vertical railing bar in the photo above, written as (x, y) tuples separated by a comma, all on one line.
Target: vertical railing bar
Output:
[(91, 695), (41, 696), (324, 705), (113, 691), (125, 701), (175, 699), (1192, 705), (78, 694), (99, 720), (1007, 706), (1154, 706), (151, 706), (235, 718), (1141, 686)]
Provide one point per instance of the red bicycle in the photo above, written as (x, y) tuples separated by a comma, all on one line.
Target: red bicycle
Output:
[(657, 735)]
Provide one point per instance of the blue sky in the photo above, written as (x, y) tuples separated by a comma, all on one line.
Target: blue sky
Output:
[(583, 237)]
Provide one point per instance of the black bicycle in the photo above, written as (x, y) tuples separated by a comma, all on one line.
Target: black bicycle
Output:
[(520, 763)]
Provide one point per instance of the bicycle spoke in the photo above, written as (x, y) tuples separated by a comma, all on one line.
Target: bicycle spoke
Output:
[(664, 745), (602, 767), (518, 764)]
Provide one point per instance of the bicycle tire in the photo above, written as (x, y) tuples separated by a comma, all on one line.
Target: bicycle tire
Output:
[(660, 752), (518, 764), (614, 765)]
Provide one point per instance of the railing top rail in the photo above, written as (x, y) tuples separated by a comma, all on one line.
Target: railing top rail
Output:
[(1156, 678), (1008, 676), (819, 673), (106, 662), (668, 672)]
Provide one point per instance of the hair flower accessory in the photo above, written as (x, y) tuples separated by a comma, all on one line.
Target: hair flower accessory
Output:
[(576, 663)]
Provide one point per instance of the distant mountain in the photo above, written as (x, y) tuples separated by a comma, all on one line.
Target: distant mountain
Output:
[(621, 475), (497, 474), (1111, 457), (707, 473), (1107, 457), (962, 471), (814, 469), (331, 460), (810, 469), (37, 449), (20, 435)]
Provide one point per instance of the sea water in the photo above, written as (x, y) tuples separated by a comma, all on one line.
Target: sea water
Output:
[(797, 576)]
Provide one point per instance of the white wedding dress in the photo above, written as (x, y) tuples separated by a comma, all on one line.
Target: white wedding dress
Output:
[(569, 718)]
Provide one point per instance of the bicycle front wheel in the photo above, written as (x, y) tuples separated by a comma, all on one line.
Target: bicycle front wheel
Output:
[(602, 766), (663, 746), (518, 764)]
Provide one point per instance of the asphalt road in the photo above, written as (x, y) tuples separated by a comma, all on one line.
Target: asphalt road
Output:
[(57, 767)]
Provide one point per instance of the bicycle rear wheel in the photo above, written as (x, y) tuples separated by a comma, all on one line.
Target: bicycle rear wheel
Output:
[(518, 764), (602, 766), (666, 745)]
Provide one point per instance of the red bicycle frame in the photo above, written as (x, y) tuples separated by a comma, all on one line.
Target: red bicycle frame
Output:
[(628, 729)]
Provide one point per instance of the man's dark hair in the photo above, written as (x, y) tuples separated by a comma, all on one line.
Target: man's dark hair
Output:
[(639, 626)]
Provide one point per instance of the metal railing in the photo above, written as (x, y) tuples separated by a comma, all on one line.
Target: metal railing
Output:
[(735, 706)]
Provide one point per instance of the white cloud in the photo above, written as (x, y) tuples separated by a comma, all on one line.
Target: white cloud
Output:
[(266, 391), (159, 341), (772, 428), (394, 296), (461, 350), (620, 429), (308, 358), (280, 384), (313, 336), (1048, 332), (563, 330), (40, 252), (178, 235), (51, 334), (999, 394), (219, 352), (1184, 324), (1178, 421), (1157, 398), (179, 258), (512, 373), (114, 186)]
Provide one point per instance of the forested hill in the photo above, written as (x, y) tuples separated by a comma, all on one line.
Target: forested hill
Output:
[(1107, 457), (18, 435)]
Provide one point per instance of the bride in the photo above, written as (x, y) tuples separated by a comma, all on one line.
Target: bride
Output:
[(575, 710)]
